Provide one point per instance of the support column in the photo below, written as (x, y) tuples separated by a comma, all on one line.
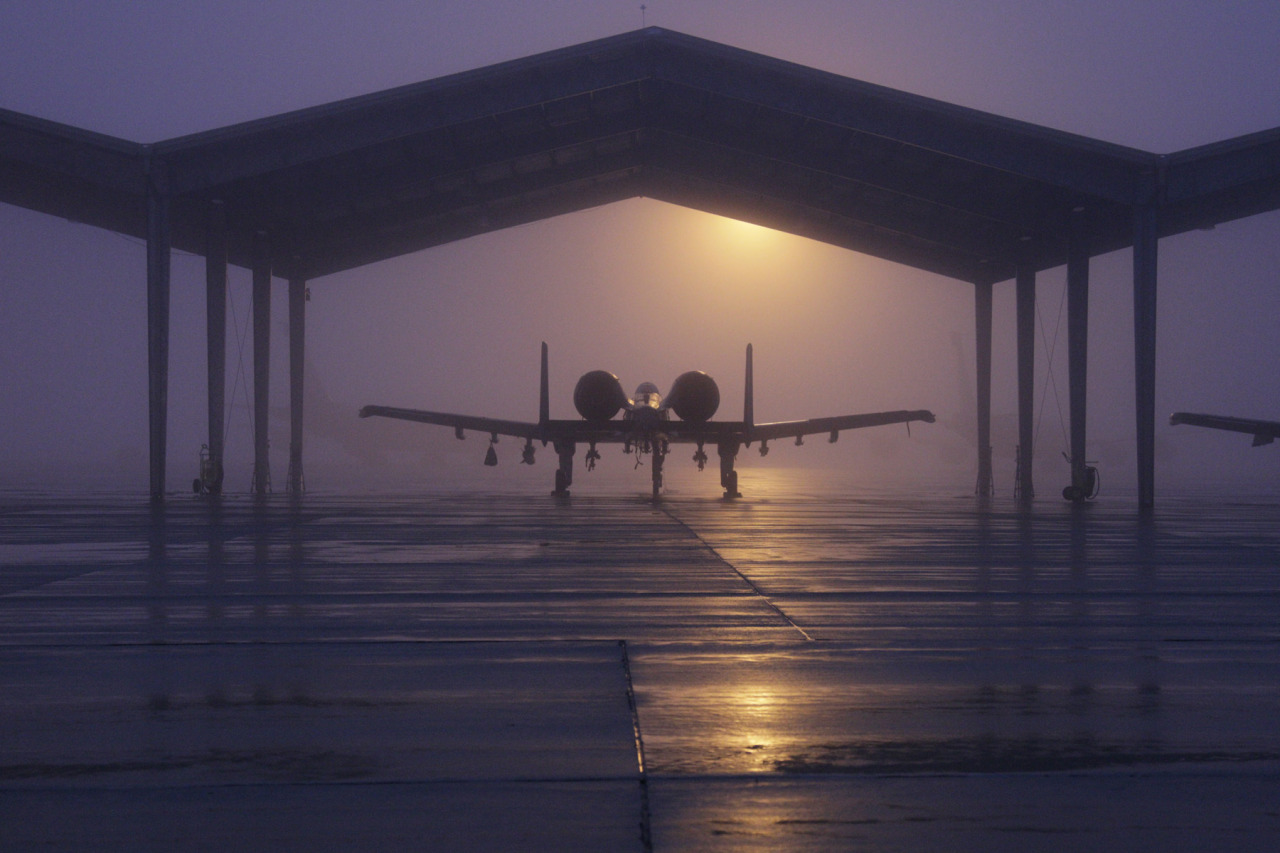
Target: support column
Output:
[(1078, 350), (1026, 318), (158, 246), (982, 315), (215, 277), (297, 351), (1145, 241), (261, 365)]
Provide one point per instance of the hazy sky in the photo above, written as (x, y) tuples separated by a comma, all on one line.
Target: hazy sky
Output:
[(642, 289)]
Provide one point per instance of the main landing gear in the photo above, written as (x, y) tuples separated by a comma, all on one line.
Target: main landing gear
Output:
[(564, 474), (658, 447), (728, 452)]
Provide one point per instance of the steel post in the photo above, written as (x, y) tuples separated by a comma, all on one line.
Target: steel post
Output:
[(1078, 349), (261, 365), (1145, 242), (215, 276), (982, 315), (1026, 320), (297, 352), (158, 256)]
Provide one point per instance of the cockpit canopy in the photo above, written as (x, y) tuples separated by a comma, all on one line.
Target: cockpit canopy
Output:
[(647, 395)]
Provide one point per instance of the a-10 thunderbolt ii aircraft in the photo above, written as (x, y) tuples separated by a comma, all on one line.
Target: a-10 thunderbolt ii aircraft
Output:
[(646, 425), (1264, 432)]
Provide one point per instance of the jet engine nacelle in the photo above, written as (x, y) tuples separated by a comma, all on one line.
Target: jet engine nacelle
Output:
[(694, 397), (598, 396)]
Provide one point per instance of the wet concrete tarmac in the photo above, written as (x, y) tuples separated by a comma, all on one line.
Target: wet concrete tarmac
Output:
[(797, 671)]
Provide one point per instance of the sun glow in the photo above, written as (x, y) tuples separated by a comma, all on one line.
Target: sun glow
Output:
[(744, 230), (746, 251), (742, 236)]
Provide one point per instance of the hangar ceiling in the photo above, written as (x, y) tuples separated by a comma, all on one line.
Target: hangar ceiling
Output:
[(650, 113)]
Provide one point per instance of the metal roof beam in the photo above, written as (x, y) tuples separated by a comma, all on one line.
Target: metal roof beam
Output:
[(844, 200), (59, 151), (700, 191), (1223, 167), (248, 150), (841, 154), (1065, 160), (469, 210)]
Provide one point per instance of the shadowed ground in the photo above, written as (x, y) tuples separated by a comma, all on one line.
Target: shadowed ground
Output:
[(495, 672)]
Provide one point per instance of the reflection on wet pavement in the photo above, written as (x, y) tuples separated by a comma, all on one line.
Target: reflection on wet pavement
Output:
[(793, 672)]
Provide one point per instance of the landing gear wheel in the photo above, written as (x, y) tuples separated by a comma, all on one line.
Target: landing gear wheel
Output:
[(562, 488), (731, 487), (1073, 493)]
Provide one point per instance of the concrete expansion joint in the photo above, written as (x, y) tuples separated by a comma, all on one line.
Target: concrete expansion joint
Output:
[(646, 835), (750, 583)]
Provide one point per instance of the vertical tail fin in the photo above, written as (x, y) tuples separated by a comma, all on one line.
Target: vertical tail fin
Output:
[(544, 393), (748, 399)]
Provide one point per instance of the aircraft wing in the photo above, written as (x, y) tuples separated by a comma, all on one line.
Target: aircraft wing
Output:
[(619, 431), (816, 426), (1264, 432), (493, 426)]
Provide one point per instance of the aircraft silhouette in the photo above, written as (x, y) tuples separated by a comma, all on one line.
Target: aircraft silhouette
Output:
[(1264, 432), (646, 426)]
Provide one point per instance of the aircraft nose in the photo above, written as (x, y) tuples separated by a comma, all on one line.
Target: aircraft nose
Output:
[(647, 416)]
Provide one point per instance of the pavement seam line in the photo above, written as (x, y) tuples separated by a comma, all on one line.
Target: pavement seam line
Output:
[(646, 835), (750, 583)]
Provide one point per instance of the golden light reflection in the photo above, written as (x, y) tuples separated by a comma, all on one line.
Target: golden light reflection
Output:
[(756, 713)]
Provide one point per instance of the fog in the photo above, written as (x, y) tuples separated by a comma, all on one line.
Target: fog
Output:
[(643, 289)]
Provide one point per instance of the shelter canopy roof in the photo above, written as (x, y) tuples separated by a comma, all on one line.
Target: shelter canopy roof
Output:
[(649, 113)]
